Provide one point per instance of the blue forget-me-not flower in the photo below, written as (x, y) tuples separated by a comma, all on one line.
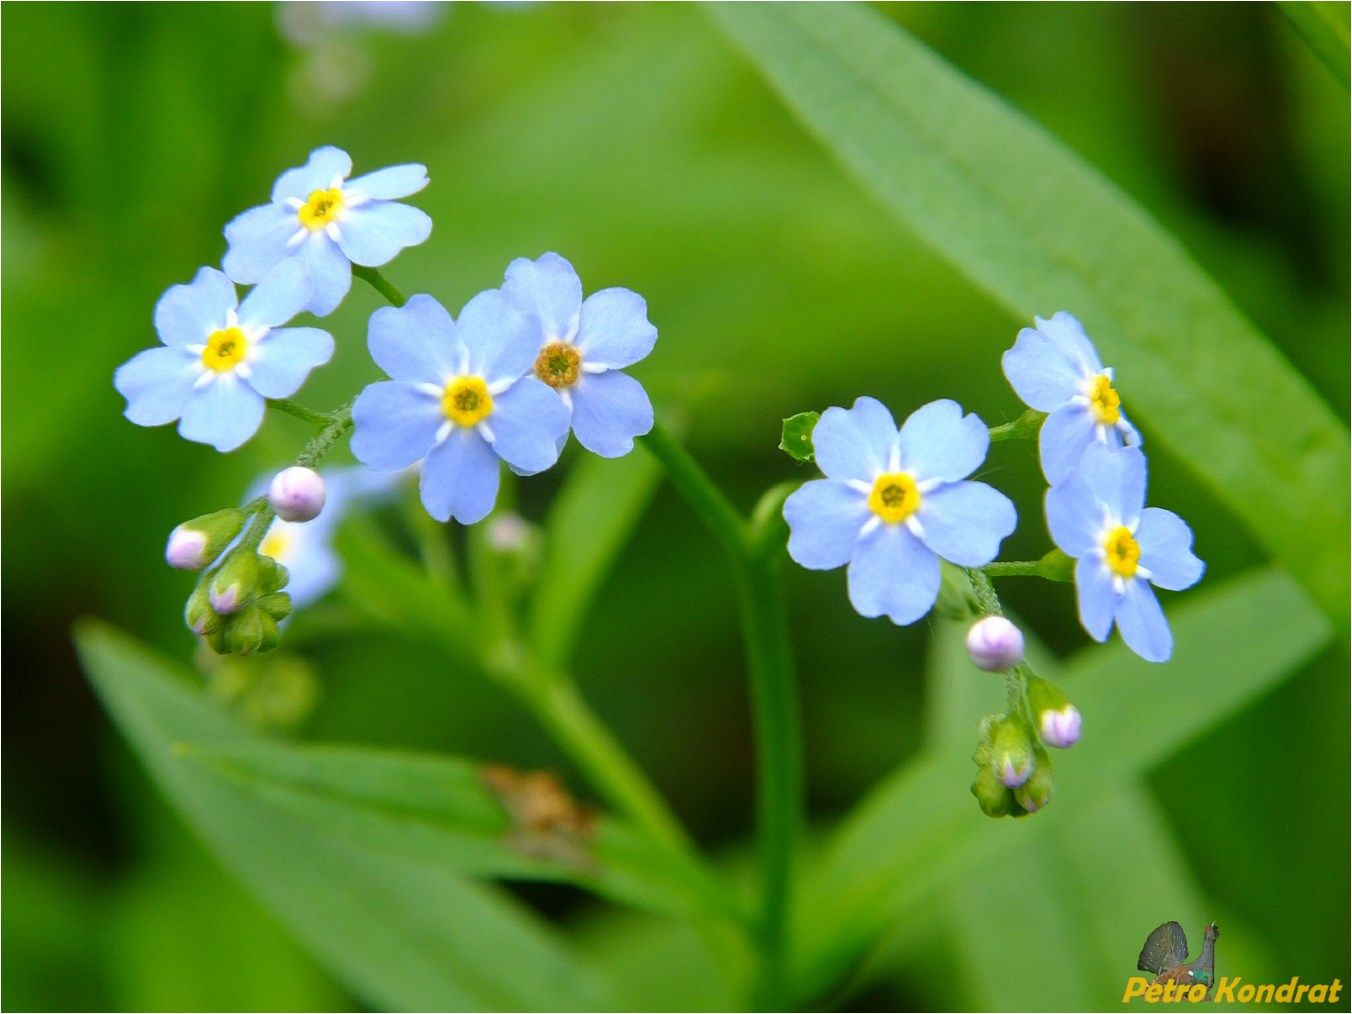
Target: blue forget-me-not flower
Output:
[(1096, 516), (583, 346), (894, 502), (221, 358), (328, 223), (1054, 368), (461, 396)]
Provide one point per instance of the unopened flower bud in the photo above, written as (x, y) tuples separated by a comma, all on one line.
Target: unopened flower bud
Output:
[(297, 494), (194, 544), (1036, 792), (994, 644), (235, 583), (277, 605), (1058, 720), (1011, 754), (995, 800), (200, 617), (272, 576), (251, 630)]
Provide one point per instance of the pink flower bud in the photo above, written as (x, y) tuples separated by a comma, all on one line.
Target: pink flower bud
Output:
[(995, 644), (228, 599), (297, 494), (1061, 728), (187, 549)]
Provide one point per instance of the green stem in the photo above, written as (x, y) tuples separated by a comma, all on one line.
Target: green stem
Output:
[(322, 442), (302, 413), (1013, 568), (377, 281), (774, 695), (1025, 427)]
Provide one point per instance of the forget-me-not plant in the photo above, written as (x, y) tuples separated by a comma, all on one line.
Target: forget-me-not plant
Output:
[(220, 359), (328, 222), (895, 501), (584, 346), (1055, 368), (461, 397), (1098, 516)]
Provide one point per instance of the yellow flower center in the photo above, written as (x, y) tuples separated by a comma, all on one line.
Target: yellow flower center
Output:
[(558, 364), (321, 208), (275, 544), (467, 401), (225, 349), (895, 497), (1104, 402), (1123, 551)]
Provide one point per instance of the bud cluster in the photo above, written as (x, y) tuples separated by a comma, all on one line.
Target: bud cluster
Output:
[(1015, 771)]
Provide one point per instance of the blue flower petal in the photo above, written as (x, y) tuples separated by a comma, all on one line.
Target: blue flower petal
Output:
[(1141, 622), (330, 273), (417, 342), (395, 424), (1116, 477), (460, 478), (1042, 373), (284, 357), (550, 289), (1066, 434), (609, 410), (1074, 517), (613, 329), (854, 443), (1067, 334), (281, 295), (224, 413), (257, 241), (1166, 550), (527, 421), (893, 574), (389, 183), (939, 442), (965, 522), (502, 341), (825, 518), (312, 577), (187, 314), (318, 173), (1095, 595), (157, 384), (374, 233)]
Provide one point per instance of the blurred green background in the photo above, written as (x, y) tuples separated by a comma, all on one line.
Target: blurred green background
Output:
[(637, 142)]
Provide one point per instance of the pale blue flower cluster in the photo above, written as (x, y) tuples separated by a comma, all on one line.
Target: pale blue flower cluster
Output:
[(220, 359), (504, 382), (896, 501), (1096, 504)]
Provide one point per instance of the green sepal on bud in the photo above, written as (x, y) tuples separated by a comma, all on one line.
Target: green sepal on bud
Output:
[(235, 582), (276, 604), (957, 599), (1012, 751), (272, 576), (250, 630), (199, 615), (1036, 792), (194, 544), (796, 437), (995, 800)]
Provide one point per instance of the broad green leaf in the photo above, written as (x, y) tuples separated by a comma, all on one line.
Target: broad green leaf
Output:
[(796, 438), (591, 520), (1042, 231), (921, 828), (1324, 27), (440, 811), (402, 934)]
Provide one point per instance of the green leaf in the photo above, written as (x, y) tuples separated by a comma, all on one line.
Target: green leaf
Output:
[(921, 830), (406, 935), (440, 811), (796, 440), (592, 518), (1324, 27), (1042, 231)]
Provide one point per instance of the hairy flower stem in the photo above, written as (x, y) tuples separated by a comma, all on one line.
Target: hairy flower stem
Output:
[(779, 798), (380, 283), (1025, 427)]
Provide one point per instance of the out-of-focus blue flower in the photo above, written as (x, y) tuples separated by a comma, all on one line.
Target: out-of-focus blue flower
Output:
[(221, 358), (461, 397), (583, 346), (305, 549), (894, 502), (1096, 516), (1055, 369), (327, 223)]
